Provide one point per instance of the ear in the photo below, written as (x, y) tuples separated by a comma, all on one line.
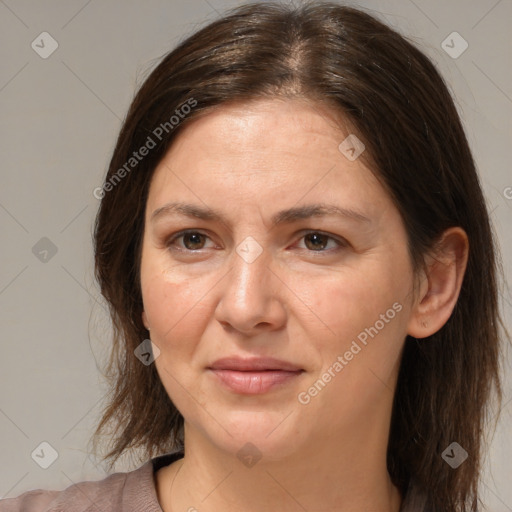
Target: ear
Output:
[(145, 320), (440, 285)]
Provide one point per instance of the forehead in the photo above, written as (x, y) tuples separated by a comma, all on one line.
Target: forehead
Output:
[(269, 147), (263, 124)]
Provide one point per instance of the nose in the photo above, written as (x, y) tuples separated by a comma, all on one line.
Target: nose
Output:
[(252, 295)]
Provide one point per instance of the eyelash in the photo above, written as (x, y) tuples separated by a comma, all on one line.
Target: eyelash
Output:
[(169, 243)]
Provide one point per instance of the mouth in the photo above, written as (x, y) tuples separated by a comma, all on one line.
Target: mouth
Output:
[(254, 376), (255, 364)]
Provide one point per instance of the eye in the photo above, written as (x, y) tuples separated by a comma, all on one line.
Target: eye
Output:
[(192, 240), (316, 241)]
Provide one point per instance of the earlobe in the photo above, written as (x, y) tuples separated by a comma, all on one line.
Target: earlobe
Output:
[(441, 286)]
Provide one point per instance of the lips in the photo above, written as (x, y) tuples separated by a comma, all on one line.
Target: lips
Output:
[(257, 364), (254, 376)]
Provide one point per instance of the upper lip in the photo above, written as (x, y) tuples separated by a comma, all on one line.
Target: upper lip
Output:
[(253, 364)]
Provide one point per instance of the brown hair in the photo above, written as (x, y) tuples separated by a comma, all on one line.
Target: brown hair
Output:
[(401, 109)]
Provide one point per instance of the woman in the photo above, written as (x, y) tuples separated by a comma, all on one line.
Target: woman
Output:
[(293, 217)]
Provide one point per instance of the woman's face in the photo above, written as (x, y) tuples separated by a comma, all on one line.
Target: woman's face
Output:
[(328, 293)]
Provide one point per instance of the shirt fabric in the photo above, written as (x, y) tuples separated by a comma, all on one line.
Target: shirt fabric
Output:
[(133, 491)]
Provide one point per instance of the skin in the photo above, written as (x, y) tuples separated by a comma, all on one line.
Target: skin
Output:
[(296, 301)]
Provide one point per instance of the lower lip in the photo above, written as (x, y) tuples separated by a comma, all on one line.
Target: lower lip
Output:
[(254, 383)]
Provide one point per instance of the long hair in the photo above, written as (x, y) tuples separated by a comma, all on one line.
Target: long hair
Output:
[(399, 106)]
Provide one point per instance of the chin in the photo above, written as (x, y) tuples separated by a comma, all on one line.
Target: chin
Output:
[(258, 435)]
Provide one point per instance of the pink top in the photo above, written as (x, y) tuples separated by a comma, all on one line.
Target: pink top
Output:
[(134, 491)]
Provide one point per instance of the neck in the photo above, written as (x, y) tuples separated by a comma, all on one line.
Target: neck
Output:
[(331, 476)]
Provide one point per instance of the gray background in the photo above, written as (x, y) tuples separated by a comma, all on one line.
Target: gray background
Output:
[(59, 120)]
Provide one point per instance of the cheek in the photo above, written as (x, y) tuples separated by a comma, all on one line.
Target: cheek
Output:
[(359, 317), (175, 306), (342, 304)]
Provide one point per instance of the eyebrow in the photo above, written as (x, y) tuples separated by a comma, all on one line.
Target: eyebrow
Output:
[(284, 216)]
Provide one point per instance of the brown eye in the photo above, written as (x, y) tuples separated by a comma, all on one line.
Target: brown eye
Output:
[(193, 240), (316, 241), (322, 243)]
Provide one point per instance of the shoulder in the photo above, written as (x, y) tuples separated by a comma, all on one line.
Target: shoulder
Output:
[(82, 496), (127, 491), (37, 500)]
